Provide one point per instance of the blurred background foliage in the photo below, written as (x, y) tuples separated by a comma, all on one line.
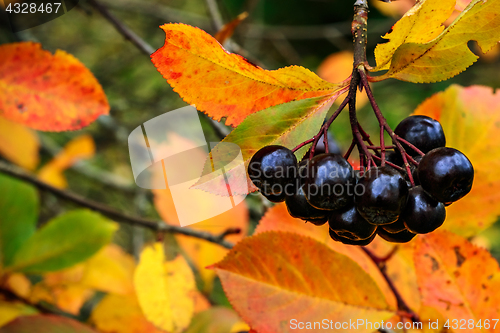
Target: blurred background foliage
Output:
[(277, 33)]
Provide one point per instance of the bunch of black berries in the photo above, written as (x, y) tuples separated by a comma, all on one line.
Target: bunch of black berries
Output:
[(381, 200)]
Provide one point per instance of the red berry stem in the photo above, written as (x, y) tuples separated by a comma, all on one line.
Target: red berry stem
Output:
[(303, 144), (389, 163), (404, 309), (383, 122), (382, 146), (351, 148), (410, 145)]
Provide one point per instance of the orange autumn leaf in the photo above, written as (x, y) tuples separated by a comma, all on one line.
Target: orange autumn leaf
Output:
[(458, 279), (165, 289), (278, 219), (337, 67), (82, 147), (222, 84), (303, 279), (47, 92), (121, 314), (67, 297), (466, 113), (19, 144), (227, 30)]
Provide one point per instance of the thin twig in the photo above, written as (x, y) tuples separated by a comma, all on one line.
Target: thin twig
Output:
[(114, 214), (402, 305), (123, 29)]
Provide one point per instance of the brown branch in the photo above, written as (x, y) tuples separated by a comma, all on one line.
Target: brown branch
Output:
[(115, 215), (142, 45)]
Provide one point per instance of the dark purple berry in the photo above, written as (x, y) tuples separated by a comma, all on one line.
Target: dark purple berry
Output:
[(422, 214), (400, 237), (344, 240), (446, 174), (423, 132), (395, 227), (273, 169), (298, 207), (329, 183), (348, 223), (383, 197)]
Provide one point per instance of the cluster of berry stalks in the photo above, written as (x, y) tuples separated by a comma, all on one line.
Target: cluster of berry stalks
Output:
[(381, 200)]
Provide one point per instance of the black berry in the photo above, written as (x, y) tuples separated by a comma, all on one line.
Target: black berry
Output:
[(395, 227), (423, 132), (329, 183), (350, 224), (344, 240), (298, 207), (422, 213), (446, 174), (400, 237), (383, 197), (273, 169)]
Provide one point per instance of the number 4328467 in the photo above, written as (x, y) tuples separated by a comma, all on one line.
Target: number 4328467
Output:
[(26, 8), (464, 324)]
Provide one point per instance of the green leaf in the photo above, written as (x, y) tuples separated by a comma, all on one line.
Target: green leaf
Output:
[(45, 324), (18, 216), (286, 124), (63, 242)]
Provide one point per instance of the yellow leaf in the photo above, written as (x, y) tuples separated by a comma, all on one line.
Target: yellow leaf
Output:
[(165, 289), (79, 148), (121, 314), (10, 311), (110, 270), (19, 144), (448, 54), (420, 24)]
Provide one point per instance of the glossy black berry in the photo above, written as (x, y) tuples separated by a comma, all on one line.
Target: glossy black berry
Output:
[(348, 223), (423, 132), (273, 170), (298, 207), (344, 240), (401, 237), (395, 227), (446, 174), (422, 214), (383, 197), (394, 158), (330, 182)]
